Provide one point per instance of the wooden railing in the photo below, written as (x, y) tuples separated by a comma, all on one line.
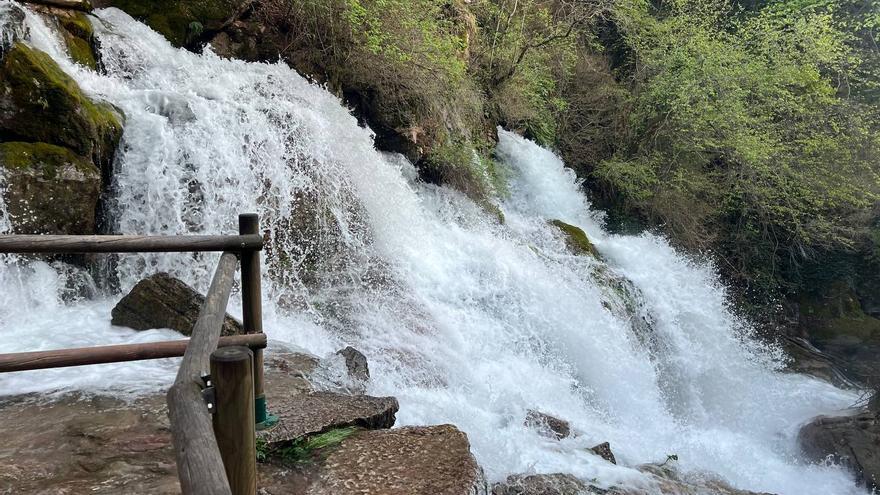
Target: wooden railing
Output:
[(217, 399)]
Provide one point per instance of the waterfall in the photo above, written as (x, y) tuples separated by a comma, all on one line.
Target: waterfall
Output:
[(464, 320)]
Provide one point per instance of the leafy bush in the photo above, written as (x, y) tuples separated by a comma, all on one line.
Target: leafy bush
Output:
[(737, 134)]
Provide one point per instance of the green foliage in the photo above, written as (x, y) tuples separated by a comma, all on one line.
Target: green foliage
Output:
[(262, 450), (737, 133), (303, 450), (527, 51)]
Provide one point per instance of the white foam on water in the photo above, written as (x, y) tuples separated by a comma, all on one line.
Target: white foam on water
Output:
[(464, 320)]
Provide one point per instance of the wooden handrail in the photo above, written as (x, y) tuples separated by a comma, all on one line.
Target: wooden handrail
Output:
[(199, 464), (60, 358), (199, 460), (128, 243)]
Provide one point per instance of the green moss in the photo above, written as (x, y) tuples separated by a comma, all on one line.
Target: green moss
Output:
[(81, 51), (78, 25), (576, 239), (79, 37), (46, 157), (43, 104), (303, 450)]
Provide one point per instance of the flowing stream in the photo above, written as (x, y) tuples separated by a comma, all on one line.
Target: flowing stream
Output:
[(464, 320)]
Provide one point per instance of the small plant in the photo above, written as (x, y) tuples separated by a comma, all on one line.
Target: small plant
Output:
[(302, 450), (262, 450)]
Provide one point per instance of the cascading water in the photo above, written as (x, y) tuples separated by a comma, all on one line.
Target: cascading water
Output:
[(464, 320)]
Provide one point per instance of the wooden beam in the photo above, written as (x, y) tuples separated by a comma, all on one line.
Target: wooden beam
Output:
[(199, 464), (61, 358), (128, 243), (252, 305)]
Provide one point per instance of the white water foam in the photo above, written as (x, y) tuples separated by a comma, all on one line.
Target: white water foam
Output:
[(464, 320)]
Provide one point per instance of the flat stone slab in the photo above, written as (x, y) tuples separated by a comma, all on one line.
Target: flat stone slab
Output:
[(418, 460), (308, 414)]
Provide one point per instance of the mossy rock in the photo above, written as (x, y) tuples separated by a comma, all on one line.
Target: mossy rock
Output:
[(576, 239), (181, 22), (838, 315), (49, 189), (40, 103), (79, 36)]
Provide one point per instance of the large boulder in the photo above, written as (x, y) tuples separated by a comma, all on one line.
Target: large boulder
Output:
[(49, 189), (853, 441), (40, 103), (162, 301), (416, 460)]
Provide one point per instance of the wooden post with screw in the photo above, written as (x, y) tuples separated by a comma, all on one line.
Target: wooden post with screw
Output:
[(234, 426), (252, 313)]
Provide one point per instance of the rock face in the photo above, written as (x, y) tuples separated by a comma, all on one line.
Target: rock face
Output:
[(184, 23), (308, 414), (49, 189), (162, 301), (548, 425), (424, 460), (40, 103), (543, 484), (853, 441), (356, 363)]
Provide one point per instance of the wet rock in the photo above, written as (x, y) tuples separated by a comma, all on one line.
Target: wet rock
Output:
[(162, 301), (853, 441), (356, 363), (40, 103), (576, 239), (547, 425), (86, 444), (12, 28), (182, 22), (288, 373), (83, 5), (669, 480), (308, 414), (424, 460), (543, 484), (78, 35), (603, 450), (808, 360), (49, 189)]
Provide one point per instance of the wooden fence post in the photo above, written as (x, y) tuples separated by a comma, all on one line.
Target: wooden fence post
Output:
[(252, 312), (234, 426)]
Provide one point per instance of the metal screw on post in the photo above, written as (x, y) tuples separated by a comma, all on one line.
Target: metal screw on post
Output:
[(252, 314)]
